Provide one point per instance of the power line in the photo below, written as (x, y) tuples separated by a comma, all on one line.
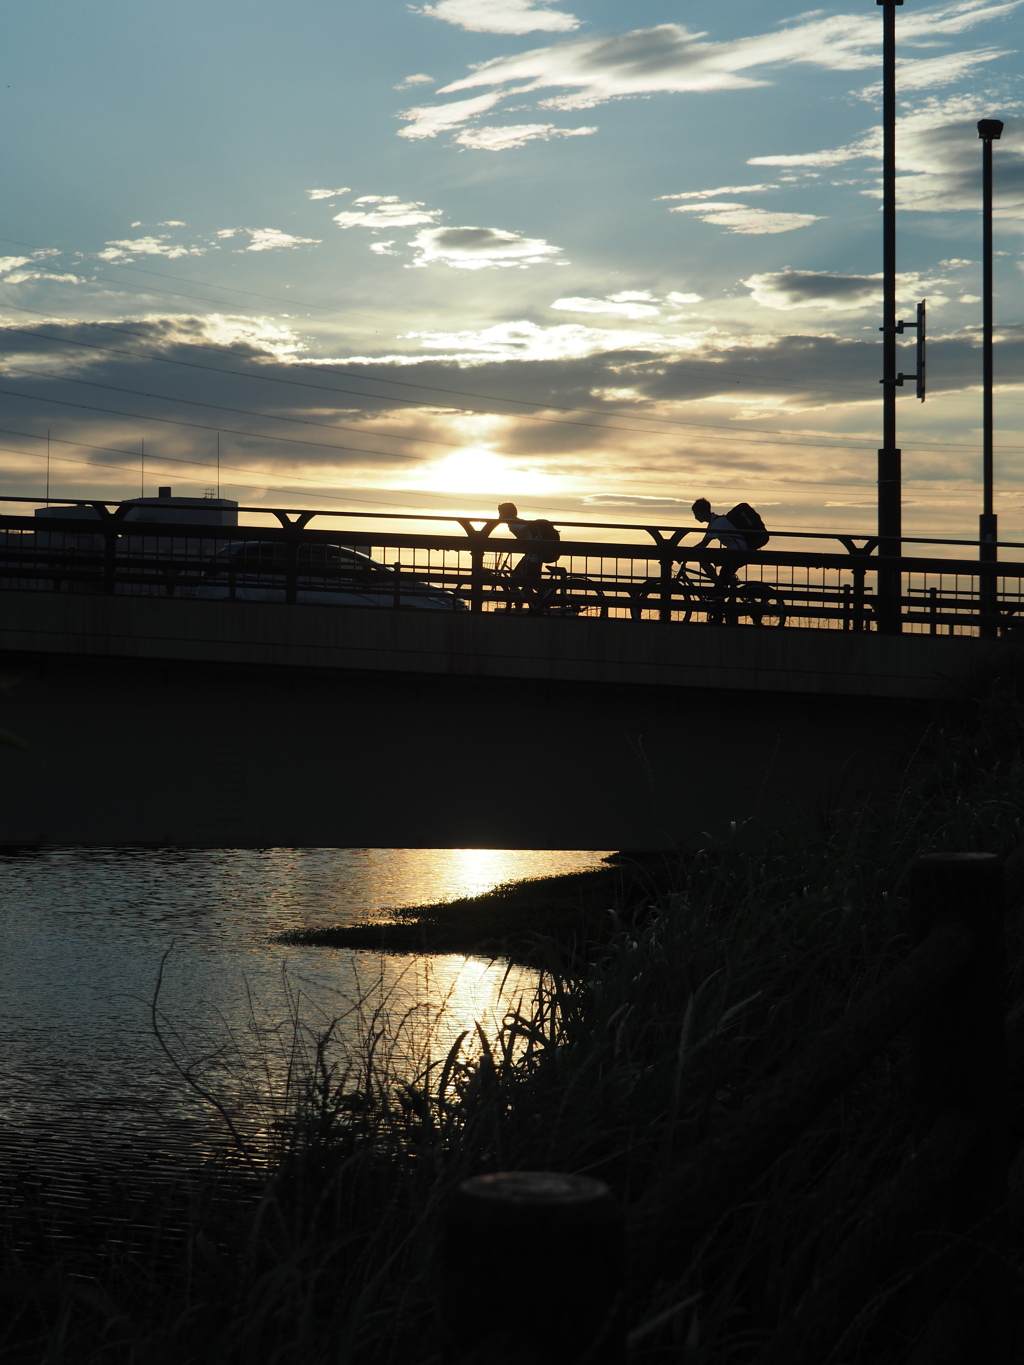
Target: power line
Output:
[(813, 443), (708, 480), (254, 487), (220, 407), (427, 388), (409, 383), (203, 426), (360, 393)]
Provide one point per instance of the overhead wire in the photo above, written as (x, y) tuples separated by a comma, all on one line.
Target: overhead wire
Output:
[(433, 387), (807, 443), (252, 487), (386, 398), (203, 426), (783, 484), (811, 442)]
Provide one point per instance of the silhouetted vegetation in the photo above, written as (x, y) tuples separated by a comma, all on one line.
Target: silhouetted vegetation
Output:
[(670, 989)]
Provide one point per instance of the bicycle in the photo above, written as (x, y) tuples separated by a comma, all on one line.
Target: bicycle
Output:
[(730, 602), (558, 593)]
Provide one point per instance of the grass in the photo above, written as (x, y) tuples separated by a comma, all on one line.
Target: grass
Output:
[(669, 991)]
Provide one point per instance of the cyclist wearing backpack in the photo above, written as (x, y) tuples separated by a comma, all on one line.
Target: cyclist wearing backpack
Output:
[(527, 573), (739, 532)]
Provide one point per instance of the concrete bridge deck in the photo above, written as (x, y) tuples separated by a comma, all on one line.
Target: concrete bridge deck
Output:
[(164, 721)]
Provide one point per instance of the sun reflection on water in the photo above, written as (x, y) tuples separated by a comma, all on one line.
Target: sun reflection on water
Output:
[(84, 932)]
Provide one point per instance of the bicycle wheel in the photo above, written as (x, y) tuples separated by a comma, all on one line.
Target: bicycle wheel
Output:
[(579, 597), (646, 604), (497, 593), (761, 604)]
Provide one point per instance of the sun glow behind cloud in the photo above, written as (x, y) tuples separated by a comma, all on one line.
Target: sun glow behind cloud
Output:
[(483, 471)]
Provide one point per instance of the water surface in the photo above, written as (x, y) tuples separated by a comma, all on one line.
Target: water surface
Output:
[(84, 935)]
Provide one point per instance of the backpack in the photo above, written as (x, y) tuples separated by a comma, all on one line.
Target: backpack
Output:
[(745, 519), (543, 530)]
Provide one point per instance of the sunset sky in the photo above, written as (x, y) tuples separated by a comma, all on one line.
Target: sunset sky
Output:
[(600, 258)]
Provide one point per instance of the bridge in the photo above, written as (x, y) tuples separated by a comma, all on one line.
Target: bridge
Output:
[(347, 685)]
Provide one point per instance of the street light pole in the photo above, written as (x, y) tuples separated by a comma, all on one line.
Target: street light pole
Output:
[(989, 130), (890, 527)]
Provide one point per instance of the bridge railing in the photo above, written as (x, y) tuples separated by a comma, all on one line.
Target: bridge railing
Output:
[(467, 567)]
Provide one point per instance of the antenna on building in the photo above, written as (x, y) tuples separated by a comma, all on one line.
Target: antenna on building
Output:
[(218, 464), (47, 466), (142, 485)]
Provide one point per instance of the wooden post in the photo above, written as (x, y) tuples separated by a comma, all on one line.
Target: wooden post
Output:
[(959, 1060), (531, 1270)]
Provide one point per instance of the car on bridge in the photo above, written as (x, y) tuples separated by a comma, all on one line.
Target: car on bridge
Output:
[(333, 575)]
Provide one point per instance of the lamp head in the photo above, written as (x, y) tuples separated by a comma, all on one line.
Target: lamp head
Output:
[(990, 128)]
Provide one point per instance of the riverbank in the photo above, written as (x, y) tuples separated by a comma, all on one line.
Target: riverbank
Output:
[(519, 920), (700, 980)]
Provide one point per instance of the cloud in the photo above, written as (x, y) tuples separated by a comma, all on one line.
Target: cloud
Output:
[(383, 248), (635, 500), (722, 189), (938, 161), (126, 249), (429, 120), (788, 289), (328, 194), (386, 211), (633, 304), (526, 341), (929, 72), (480, 248), (265, 239), (674, 297), (495, 139), (12, 272), (736, 217), (868, 145), (500, 16), (813, 387), (421, 78), (671, 58)]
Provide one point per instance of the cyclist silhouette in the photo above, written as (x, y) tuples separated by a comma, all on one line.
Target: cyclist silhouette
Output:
[(729, 537), (527, 573)]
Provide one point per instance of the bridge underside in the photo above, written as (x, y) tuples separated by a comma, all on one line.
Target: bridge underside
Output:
[(220, 757), (242, 725)]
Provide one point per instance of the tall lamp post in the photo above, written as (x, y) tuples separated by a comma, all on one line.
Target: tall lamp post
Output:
[(989, 130), (889, 456)]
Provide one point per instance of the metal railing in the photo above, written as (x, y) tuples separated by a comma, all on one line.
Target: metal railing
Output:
[(953, 1190), (638, 573)]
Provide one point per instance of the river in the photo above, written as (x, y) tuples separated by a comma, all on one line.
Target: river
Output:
[(85, 931)]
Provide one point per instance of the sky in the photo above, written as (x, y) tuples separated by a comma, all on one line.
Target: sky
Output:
[(598, 258)]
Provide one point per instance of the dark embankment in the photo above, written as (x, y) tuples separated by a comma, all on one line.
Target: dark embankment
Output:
[(705, 976), (518, 920)]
